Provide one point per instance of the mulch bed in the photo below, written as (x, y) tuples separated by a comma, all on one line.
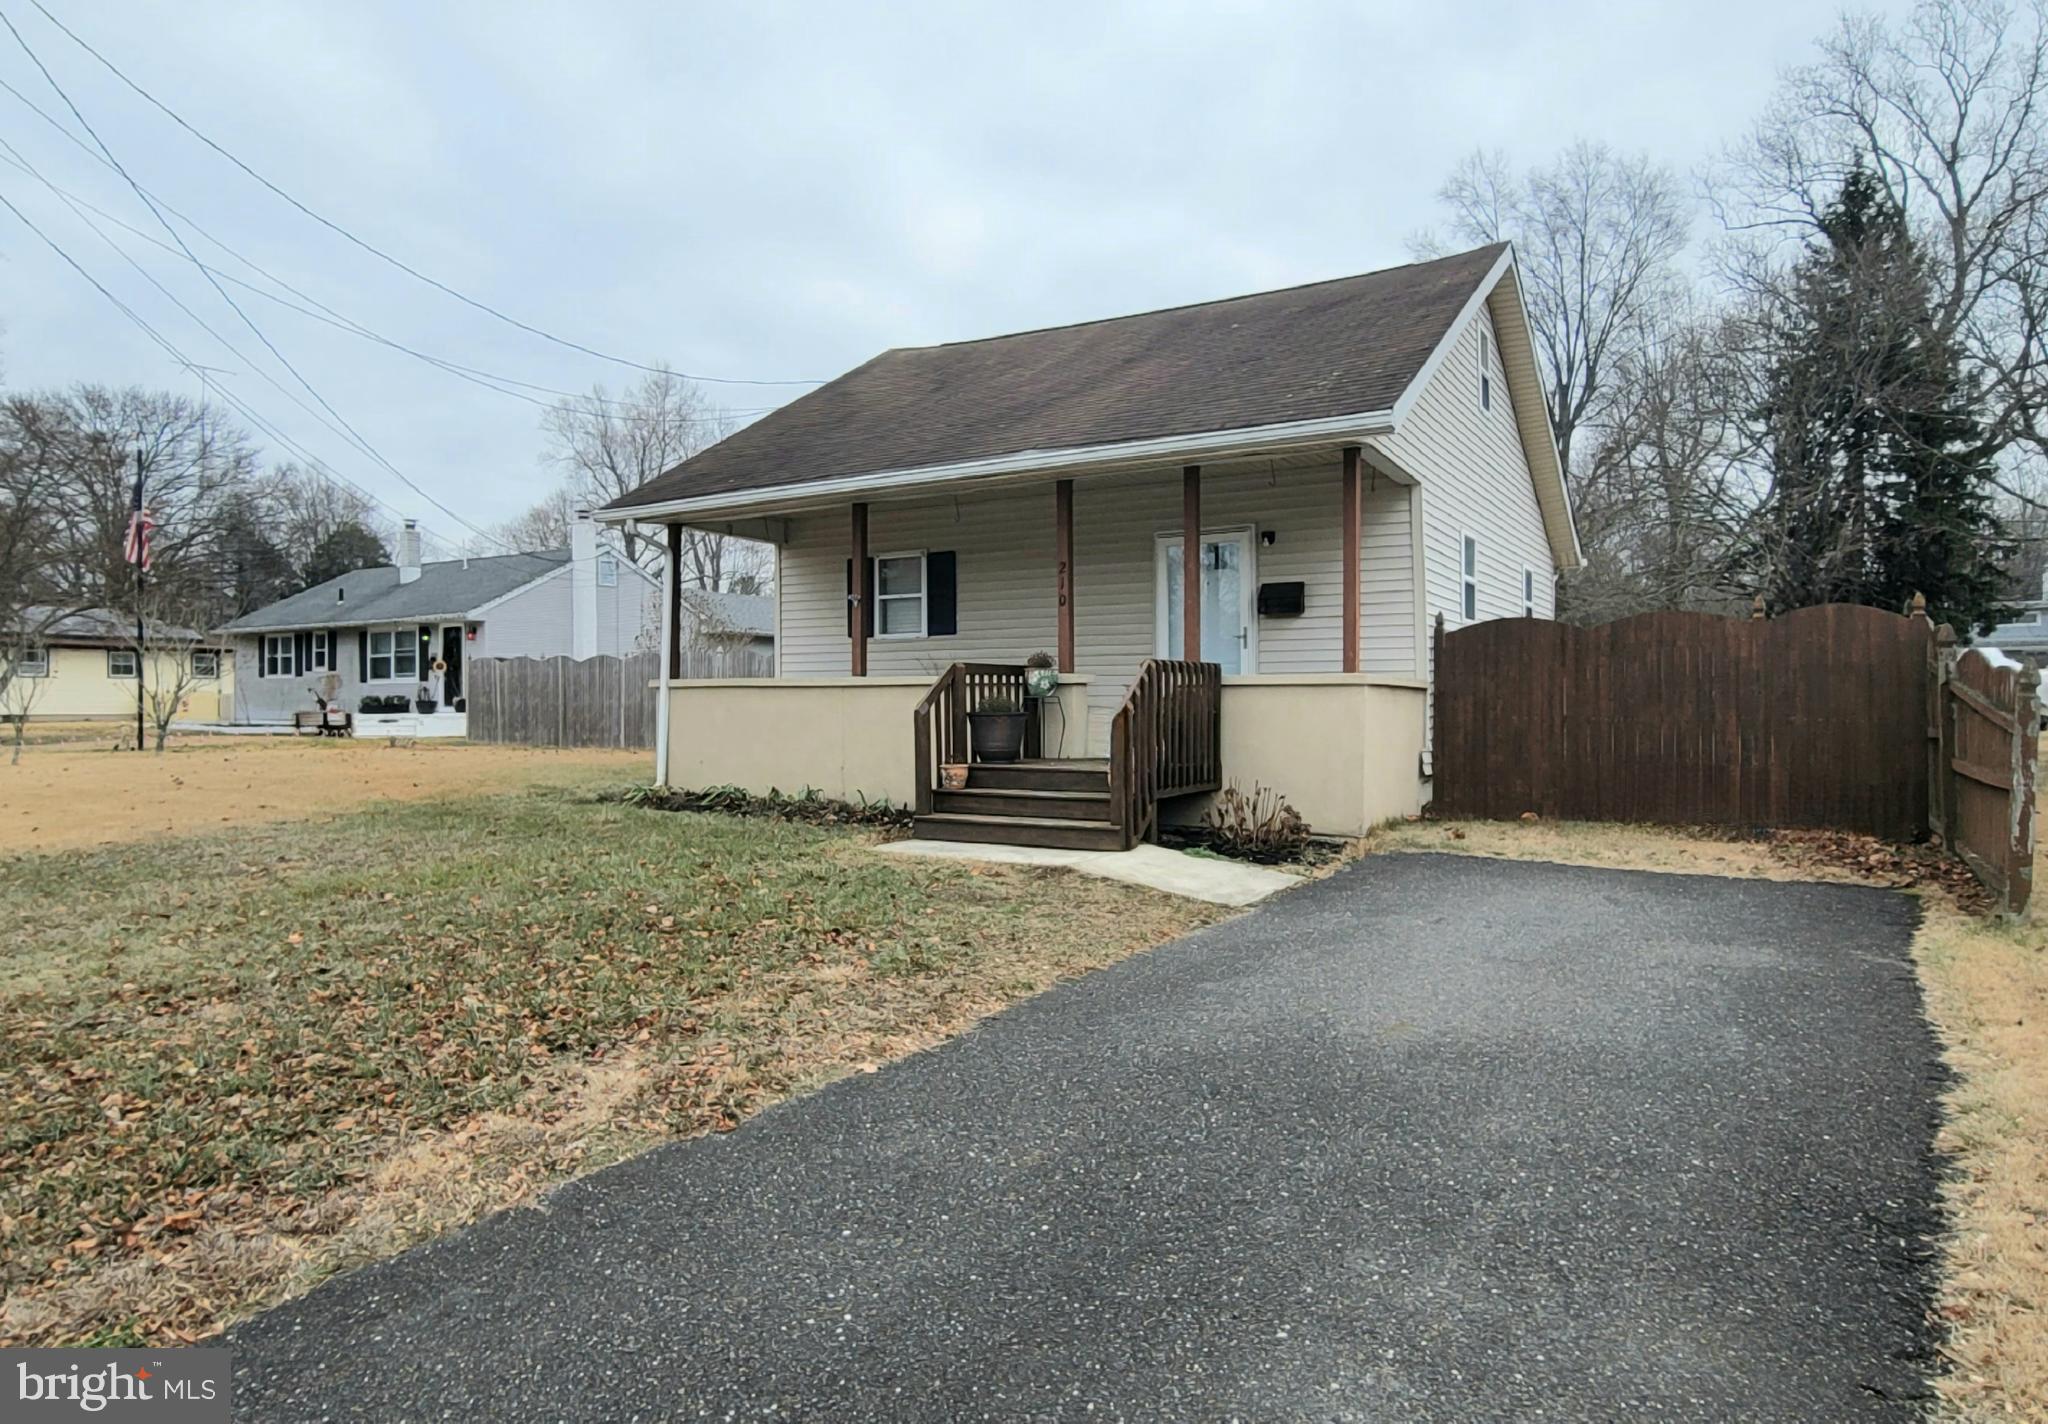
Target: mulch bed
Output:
[(810, 808), (1898, 867), (1311, 856)]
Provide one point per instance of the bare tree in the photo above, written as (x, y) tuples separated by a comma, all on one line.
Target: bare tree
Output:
[(24, 673), (1948, 109), (168, 654), (609, 446), (544, 526), (1598, 236)]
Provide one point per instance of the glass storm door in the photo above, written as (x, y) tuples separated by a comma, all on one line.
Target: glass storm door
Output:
[(1227, 585)]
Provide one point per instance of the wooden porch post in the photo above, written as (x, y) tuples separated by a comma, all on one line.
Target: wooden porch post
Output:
[(1063, 556), (1352, 513), (1191, 563), (857, 600), (674, 616)]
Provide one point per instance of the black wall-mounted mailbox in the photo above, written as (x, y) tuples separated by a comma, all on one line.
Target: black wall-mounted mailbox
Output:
[(1282, 600)]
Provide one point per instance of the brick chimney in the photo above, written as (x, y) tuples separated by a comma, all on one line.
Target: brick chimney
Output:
[(409, 551)]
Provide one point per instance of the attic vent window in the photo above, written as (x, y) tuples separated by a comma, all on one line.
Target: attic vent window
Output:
[(608, 571), (1485, 369), (340, 594)]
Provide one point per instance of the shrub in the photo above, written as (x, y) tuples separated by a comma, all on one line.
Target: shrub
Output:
[(998, 703), (1261, 826)]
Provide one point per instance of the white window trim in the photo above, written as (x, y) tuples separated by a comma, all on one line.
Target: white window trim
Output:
[(923, 594), (1528, 590), (135, 663), (607, 570), (279, 665), (320, 651), (1468, 581), (33, 662), (1249, 533), (210, 655), (403, 636)]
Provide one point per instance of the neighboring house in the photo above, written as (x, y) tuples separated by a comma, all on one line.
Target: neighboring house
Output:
[(85, 668), (728, 621), (2026, 636), (1345, 462), (376, 632)]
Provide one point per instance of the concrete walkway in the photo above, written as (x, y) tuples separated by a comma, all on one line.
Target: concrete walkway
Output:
[(1198, 877), (1433, 1138)]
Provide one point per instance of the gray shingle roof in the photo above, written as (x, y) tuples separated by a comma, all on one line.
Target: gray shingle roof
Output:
[(451, 588), (1337, 348), (733, 612), (92, 626)]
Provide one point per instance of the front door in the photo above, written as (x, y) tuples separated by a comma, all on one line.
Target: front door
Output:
[(1228, 628), (451, 654)]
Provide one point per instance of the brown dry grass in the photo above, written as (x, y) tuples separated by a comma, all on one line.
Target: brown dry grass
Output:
[(232, 1068), (70, 795), (1986, 985)]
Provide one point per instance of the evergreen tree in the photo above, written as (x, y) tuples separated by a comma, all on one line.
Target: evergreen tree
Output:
[(345, 548), (1879, 462)]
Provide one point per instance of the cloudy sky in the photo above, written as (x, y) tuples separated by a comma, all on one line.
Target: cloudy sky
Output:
[(765, 192)]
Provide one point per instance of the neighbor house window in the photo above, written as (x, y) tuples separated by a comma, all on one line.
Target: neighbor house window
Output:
[(394, 655), (1468, 577), (277, 655), (121, 662), (1485, 369), (608, 570), (1528, 593), (206, 665), (35, 662), (320, 651), (899, 596)]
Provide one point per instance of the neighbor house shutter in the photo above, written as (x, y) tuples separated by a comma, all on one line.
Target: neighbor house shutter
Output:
[(302, 652), (362, 655), (426, 652), (867, 600), (942, 597)]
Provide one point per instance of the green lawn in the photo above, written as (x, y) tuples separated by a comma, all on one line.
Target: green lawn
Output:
[(232, 1064)]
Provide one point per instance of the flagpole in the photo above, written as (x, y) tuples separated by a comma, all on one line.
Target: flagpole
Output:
[(135, 531)]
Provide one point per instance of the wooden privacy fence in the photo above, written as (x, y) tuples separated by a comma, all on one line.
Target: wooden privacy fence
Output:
[(587, 702), (1987, 713), (1818, 718)]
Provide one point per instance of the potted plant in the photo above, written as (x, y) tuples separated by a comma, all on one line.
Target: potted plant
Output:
[(1041, 674), (996, 726), (423, 701), (953, 776)]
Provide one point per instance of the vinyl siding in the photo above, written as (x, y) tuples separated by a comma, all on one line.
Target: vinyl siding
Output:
[(78, 687), (534, 622), (1003, 543)]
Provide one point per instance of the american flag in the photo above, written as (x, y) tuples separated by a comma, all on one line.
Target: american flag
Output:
[(140, 525)]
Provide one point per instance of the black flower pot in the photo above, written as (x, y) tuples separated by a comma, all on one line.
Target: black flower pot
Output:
[(997, 736)]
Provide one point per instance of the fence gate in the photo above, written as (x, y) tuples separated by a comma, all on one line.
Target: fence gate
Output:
[(1987, 720), (1818, 718)]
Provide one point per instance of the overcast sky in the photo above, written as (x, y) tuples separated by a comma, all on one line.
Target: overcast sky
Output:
[(769, 192)]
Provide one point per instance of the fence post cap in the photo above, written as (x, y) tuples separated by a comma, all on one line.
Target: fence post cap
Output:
[(1945, 635), (1918, 607), (1756, 606)]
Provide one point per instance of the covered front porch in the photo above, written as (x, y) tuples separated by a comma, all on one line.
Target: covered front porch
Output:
[(1294, 659)]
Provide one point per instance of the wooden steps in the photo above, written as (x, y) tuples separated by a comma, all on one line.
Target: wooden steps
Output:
[(1062, 804)]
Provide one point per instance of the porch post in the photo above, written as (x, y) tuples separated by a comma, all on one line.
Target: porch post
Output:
[(1063, 555), (1352, 515), (669, 631), (856, 601), (672, 602), (1191, 563)]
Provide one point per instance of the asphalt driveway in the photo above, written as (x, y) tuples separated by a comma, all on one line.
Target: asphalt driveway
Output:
[(1436, 1138)]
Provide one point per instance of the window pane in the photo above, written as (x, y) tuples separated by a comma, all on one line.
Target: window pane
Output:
[(1471, 556), (899, 575), (899, 616), (380, 645), (1471, 602)]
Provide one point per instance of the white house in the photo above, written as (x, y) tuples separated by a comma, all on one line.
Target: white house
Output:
[(1345, 462), (377, 633)]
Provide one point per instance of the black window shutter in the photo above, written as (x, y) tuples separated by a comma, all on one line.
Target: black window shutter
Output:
[(262, 646), (426, 651), (302, 652), (362, 655), (942, 595)]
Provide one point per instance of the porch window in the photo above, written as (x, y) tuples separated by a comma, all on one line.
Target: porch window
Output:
[(899, 596), (33, 662), (121, 663), (1468, 577), (206, 665), (277, 655), (394, 655), (1528, 592)]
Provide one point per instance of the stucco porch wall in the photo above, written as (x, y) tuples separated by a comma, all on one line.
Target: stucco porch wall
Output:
[(1344, 749), (846, 737)]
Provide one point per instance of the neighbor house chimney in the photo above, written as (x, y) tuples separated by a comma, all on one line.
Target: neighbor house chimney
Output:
[(582, 586), (409, 551)]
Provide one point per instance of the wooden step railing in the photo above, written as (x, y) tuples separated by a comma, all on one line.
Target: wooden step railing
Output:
[(939, 725), (1166, 740)]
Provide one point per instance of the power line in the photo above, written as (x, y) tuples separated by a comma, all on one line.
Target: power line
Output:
[(234, 306), (476, 375), (374, 250), (170, 348)]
